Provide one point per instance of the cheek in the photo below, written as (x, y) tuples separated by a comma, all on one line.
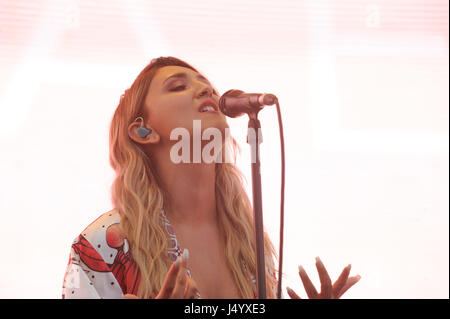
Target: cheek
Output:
[(174, 116)]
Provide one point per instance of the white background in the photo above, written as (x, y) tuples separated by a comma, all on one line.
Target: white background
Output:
[(363, 87)]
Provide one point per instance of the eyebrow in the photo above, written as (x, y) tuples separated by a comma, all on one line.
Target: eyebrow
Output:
[(184, 75)]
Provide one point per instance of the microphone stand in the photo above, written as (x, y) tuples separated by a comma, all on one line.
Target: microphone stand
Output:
[(254, 139)]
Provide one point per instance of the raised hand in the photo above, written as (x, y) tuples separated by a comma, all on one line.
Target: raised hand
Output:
[(328, 290), (177, 284)]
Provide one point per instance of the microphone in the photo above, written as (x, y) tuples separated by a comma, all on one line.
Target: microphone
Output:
[(235, 103)]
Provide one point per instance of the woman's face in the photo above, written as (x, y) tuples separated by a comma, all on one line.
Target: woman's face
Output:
[(174, 101)]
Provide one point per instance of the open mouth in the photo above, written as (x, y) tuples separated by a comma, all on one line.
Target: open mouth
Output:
[(208, 106), (207, 109)]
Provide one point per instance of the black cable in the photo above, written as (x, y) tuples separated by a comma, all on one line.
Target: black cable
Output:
[(280, 265)]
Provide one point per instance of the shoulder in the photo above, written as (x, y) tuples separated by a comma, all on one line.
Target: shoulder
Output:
[(104, 236), (90, 271)]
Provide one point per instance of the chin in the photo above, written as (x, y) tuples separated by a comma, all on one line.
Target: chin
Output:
[(220, 123)]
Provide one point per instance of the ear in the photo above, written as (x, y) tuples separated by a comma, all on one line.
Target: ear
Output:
[(152, 138)]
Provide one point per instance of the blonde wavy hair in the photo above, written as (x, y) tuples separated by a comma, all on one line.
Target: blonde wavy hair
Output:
[(137, 195)]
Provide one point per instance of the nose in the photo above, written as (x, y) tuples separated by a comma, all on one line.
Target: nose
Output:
[(205, 91)]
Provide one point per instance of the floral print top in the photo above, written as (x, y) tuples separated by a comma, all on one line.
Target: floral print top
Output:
[(100, 263)]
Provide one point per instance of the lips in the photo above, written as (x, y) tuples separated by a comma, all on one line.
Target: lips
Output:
[(209, 102)]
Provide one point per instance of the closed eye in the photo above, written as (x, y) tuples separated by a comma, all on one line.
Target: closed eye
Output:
[(178, 88), (182, 87)]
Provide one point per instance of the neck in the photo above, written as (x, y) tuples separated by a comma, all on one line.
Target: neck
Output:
[(191, 189)]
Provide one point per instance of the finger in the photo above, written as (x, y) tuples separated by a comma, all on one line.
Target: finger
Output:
[(191, 291), (340, 282), (309, 287), (130, 296), (169, 281), (180, 284), (292, 293), (325, 281), (350, 282)]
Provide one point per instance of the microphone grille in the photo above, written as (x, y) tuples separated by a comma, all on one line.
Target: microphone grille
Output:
[(223, 106)]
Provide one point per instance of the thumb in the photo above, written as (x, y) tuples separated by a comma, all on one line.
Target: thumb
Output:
[(130, 296)]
